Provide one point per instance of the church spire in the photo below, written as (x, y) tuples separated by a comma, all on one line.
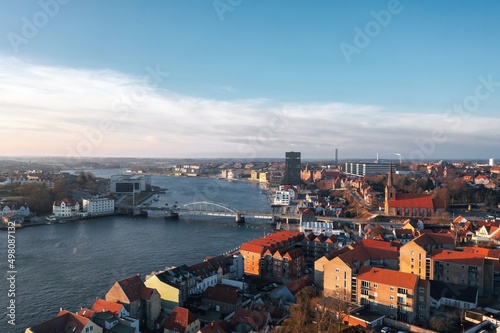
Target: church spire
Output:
[(389, 178)]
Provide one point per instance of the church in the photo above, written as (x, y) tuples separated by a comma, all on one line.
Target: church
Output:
[(410, 204)]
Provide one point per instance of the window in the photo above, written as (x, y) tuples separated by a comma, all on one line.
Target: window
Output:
[(337, 270), (375, 285), (421, 289), (420, 307), (391, 298), (421, 298), (391, 288), (365, 284)]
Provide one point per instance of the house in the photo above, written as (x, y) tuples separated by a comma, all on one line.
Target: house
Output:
[(224, 299), (141, 302), (65, 208), (453, 295), (66, 321), (206, 276), (12, 218), (173, 285), (250, 321), (117, 309), (181, 320)]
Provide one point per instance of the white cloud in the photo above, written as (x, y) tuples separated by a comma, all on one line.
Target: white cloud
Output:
[(59, 111)]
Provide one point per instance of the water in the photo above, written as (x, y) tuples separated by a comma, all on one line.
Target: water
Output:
[(69, 265)]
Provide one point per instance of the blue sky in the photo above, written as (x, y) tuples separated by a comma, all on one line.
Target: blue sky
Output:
[(250, 78)]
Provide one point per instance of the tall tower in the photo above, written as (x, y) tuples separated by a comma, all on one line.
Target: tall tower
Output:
[(292, 168), (390, 190)]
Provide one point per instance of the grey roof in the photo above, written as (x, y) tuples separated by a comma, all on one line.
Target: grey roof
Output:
[(440, 289)]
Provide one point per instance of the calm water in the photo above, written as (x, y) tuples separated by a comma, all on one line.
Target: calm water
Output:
[(69, 265)]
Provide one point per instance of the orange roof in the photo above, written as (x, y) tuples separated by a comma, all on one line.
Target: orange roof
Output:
[(433, 239), (87, 313), (458, 257), (299, 284), (65, 321), (180, 319), (387, 277), (487, 253), (101, 305), (408, 200)]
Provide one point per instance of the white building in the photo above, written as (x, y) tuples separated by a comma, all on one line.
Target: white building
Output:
[(282, 198), (492, 162), (100, 206), (129, 183), (65, 208)]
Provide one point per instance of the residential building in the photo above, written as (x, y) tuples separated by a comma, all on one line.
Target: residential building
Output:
[(98, 206), (254, 321), (173, 285), (315, 247), (453, 295), (414, 256), (222, 298), (394, 294), (66, 321), (464, 268), (220, 326), (282, 198), (181, 320), (65, 208), (141, 302), (259, 255), (292, 168), (336, 274)]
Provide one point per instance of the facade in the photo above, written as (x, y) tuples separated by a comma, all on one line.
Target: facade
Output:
[(367, 169), (292, 168), (394, 294), (463, 268), (259, 255), (141, 302), (129, 183), (101, 206), (172, 284), (65, 208), (336, 274), (414, 256), (282, 198)]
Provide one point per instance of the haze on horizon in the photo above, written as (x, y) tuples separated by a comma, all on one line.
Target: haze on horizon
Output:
[(248, 79)]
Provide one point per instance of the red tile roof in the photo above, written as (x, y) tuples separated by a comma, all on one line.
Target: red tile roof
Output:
[(458, 257), (387, 277), (222, 293), (255, 319), (101, 305), (87, 313), (180, 319), (487, 253), (135, 289), (217, 327), (65, 321), (299, 284)]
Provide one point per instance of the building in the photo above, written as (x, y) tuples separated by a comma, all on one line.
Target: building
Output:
[(173, 285), (414, 256), (266, 257), (65, 208), (222, 298), (463, 268), (292, 168), (282, 198), (66, 321), (367, 169), (394, 294), (98, 206), (131, 184), (141, 302), (336, 274), (181, 320), (453, 295), (410, 204)]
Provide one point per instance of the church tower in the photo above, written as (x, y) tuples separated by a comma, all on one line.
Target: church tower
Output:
[(390, 190)]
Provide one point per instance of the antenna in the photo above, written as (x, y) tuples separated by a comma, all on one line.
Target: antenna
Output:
[(398, 154)]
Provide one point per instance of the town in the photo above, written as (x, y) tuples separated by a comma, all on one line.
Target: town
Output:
[(378, 246)]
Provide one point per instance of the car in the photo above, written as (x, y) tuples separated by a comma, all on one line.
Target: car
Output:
[(385, 329)]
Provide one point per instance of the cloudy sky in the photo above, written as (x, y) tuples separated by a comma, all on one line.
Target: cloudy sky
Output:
[(243, 79)]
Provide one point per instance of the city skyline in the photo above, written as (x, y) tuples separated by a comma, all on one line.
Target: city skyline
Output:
[(250, 80)]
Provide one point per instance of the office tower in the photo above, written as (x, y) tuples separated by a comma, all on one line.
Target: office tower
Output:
[(292, 168)]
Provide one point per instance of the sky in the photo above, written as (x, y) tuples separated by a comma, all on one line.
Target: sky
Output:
[(246, 79)]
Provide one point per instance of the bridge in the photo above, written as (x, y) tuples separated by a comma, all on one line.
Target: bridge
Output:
[(208, 208)]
